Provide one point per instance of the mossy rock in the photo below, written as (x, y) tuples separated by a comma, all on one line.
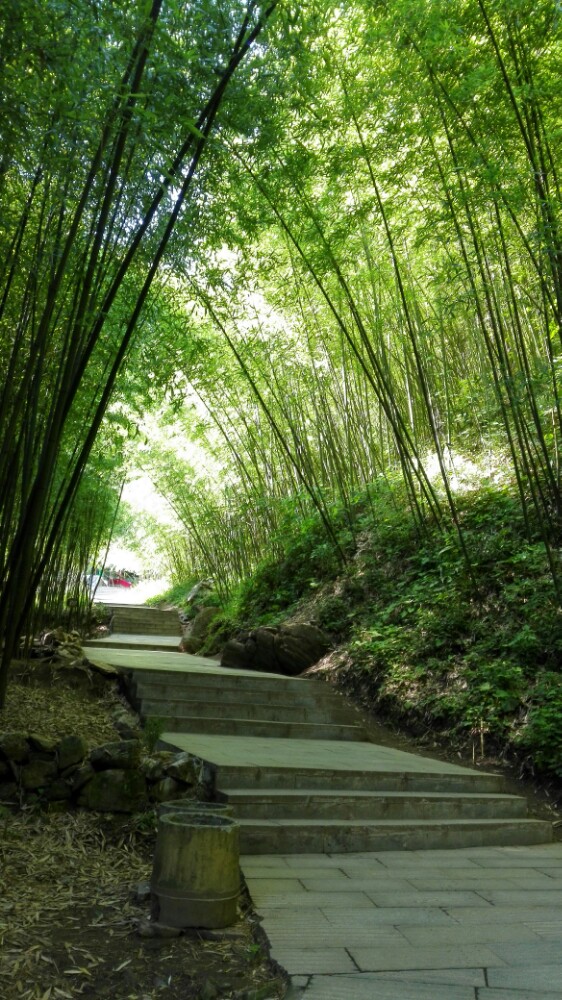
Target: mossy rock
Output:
[(114, 791)]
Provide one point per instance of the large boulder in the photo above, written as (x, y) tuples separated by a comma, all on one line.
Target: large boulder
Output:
[(289, 649), (236, 656), (298, 646), (190, 645), (202, 621), (199, 630)]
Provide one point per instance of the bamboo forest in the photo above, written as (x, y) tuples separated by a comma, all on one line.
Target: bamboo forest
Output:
[(300, 265)]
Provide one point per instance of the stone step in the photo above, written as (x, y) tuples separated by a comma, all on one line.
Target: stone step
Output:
[(155, 628), (142, 610), (131, 628), (300, 836), (309, 803), (248, 727), (285, 778), (145, 621), (353, 796), (168, 684), (226, 709), (144, 614), (128, 641), (154, 625)]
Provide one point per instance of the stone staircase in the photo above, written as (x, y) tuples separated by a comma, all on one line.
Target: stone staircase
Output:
[(137, 619), (419, 816), (294, 760), (255, 705)]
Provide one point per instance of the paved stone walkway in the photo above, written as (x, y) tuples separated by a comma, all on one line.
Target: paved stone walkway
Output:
[(480, 923), (472, 924)]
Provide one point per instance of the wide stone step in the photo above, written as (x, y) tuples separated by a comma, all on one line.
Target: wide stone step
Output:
[(215, 708), (145, 621), (299, 836), (248, 727), (169, 683), (153, 624), (128, 641), (312, 804), (144, 614), (128, 628), (376, 780), (131, 628)]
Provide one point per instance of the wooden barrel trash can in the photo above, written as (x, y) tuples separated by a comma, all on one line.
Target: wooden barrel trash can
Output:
[(192, 806), (196, 872)]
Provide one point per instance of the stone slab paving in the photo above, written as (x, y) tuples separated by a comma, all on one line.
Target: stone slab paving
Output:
[(255, 751), (467, 924), (118, 655)]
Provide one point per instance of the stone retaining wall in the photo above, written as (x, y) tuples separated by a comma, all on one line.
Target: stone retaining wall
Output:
[(116, 777)]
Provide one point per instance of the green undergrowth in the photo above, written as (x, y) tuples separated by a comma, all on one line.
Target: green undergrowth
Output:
[(176, 595), (471, 652)]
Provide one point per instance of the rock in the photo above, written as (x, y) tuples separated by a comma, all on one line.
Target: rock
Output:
[(185, 767), (58, 791), (208, 778), (42, 744), (38, 774), (198, 630), (196, 590), (299, 646), (66, 656), (114, 791), (236, 656), (166, 789), (10, 792), (153, 767), (127, 729), (126, 723), (71, 649), (153, 929), (124, 755), (265, 647), (106, 669), (14, 746), (72, 750), (189, 644), (201, 623), (79, 776), (289, 649)]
